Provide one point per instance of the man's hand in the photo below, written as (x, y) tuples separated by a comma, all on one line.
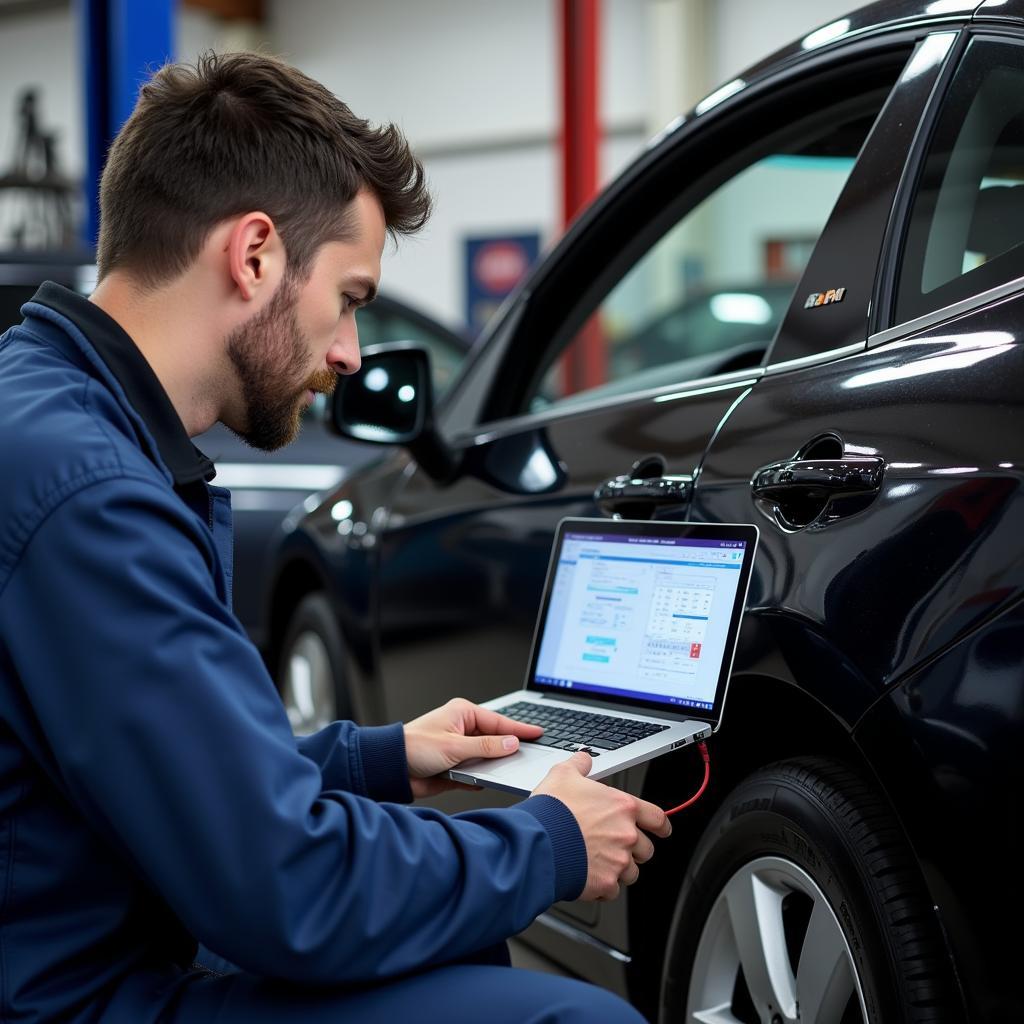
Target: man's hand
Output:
[(611, 823), (440, 739)]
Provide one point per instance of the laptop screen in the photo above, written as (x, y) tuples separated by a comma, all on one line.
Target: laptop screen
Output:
[(644, 613)]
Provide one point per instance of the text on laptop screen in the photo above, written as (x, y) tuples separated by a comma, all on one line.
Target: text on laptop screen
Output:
[(640, 617)]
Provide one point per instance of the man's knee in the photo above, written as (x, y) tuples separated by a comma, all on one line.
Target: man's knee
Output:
[(457, 994), (567, 1001)]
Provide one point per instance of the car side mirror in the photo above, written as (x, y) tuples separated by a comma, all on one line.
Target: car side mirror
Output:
[(390, 401)]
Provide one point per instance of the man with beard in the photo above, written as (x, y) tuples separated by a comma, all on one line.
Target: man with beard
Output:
[(153, 797)]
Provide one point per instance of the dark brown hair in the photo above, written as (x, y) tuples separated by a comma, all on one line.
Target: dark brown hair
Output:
[(241, 132)]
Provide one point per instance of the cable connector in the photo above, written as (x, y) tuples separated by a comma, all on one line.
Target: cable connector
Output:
[(703, 748)]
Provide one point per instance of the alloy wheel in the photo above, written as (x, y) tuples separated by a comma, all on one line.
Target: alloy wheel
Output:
[(773, 952), (308, 686)]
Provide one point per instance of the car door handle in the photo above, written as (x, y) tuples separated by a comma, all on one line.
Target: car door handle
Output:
[(818, 478), (623, 493)]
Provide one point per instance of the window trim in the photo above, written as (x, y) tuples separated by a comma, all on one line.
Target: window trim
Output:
[(493, 429), (802, 362), (950, 312)]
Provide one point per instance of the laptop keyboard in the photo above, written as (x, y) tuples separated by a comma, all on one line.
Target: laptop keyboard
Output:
[(568, 729)]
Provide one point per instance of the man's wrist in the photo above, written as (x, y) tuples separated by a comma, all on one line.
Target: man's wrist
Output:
[(569, 850)]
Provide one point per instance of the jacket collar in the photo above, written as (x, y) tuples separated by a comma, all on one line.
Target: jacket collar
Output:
[(144, 392)]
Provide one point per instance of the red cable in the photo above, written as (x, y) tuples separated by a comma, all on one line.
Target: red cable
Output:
[(703, 748)]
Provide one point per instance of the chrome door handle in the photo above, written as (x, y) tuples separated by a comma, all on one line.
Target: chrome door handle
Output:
[(822, 479), (622, 495)]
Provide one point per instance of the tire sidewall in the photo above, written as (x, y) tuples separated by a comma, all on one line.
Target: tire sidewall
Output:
[(765, 818), (315, 614)]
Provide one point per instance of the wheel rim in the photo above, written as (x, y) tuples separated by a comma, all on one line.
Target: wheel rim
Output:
[(772, 952), (308, 687)]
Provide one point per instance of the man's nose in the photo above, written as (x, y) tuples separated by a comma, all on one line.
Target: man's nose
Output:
[(343, 356)]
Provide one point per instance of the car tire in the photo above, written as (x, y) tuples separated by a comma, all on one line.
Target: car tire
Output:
[(311, 674), (803, 902)]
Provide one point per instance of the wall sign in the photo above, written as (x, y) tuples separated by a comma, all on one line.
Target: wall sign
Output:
[(494, 266)]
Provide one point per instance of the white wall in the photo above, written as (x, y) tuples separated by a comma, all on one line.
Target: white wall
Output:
[(195, 31), (745, 31), (452, 72)]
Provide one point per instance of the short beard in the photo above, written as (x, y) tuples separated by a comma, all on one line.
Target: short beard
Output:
[(269, 354)]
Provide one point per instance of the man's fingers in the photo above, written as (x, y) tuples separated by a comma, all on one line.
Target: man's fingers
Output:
[(488, 722), (652, 818), (631, 874), (581, 761), (643, 851), (465, 747)]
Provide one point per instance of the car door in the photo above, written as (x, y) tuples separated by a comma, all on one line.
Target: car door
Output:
[(887, 487), (597, 373)]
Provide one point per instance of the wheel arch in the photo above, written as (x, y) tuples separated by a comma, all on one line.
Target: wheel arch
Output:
[(747, 742)]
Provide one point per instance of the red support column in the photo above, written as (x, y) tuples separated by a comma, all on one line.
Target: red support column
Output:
[(585, 361)]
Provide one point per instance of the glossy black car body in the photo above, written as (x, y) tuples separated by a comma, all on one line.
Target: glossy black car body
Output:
[(879, 680)]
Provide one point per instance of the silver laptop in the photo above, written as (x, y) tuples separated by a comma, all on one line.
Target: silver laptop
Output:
[(633, 646)]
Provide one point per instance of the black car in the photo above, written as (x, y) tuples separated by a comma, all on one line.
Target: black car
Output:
[(857, 856), (265, 487)]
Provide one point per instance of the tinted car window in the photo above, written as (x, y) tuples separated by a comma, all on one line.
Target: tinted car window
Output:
[(967, 220), (710, 294)]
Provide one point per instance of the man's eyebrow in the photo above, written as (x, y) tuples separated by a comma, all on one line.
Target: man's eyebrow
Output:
[(370, 289)]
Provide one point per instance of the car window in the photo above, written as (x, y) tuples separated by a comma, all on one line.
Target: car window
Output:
[(967, 220), (381, 322), (708, 296)]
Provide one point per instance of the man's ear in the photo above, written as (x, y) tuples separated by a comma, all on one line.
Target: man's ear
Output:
[(256, 255)]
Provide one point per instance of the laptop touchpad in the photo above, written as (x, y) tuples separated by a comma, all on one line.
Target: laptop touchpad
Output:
[(526, 757)]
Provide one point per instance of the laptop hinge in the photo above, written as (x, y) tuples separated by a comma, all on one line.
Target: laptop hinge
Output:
[(674, 716)]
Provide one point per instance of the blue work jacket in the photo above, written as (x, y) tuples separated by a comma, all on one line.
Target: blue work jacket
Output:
[(152, 795)]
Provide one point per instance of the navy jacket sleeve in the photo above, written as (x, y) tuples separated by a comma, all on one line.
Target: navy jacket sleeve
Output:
[(369, 760), (169, 736)]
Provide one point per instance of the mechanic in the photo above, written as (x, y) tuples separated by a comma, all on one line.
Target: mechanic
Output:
[(153, 795)]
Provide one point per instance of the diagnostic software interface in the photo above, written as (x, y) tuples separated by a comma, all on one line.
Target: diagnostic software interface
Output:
[(641, 617)]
